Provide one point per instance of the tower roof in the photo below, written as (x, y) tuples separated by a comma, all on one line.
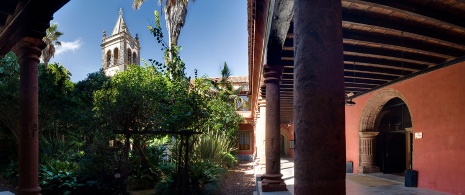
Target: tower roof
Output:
[(120, 24)]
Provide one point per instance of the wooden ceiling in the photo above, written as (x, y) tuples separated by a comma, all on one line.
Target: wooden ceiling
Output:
[(25, 18), (387, 41)]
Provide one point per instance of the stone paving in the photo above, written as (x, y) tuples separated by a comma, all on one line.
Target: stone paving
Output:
[(287, 169)]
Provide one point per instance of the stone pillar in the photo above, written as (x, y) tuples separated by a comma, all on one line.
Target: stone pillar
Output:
[(271, 180), (367, 152), (28, 51), (319, 98)]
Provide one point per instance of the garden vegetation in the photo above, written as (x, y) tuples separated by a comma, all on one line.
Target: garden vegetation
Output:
[(90, 131)]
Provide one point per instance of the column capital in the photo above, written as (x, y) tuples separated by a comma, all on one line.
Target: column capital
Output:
[(29, 45), (272, 73), (368, 134)]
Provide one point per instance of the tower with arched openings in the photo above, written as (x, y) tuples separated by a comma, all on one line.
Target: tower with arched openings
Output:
[(119, 49)]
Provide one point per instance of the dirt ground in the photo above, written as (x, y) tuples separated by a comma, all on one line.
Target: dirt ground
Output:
[(239, 180)]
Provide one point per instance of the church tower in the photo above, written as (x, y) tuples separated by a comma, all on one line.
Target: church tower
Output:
[(120, 48)]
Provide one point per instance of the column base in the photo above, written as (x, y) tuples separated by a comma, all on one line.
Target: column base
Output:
[(368, 169), (34, 191), (273, 183)]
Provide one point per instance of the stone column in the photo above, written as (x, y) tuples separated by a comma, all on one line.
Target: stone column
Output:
[(272, 178), (319, 98), (28, 51), (367, 152)]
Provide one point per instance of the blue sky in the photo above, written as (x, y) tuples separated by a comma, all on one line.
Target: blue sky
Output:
[(215, 32)]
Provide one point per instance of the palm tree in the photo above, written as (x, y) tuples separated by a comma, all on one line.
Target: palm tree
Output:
[(224, 89), (175, 16), (50, 39)]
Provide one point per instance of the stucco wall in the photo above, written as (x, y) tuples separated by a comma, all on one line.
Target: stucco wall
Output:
[(436, 101)]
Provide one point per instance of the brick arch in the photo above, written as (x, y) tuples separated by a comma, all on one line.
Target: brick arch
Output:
[(370, 116)]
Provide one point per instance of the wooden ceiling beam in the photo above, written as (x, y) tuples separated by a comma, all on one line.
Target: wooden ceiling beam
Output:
[(352, 84), (408, 8), (8, 7), (377, 70), (396, 55), (406, 30), (350, 36), (431, 53), (363, 81), (370, 76), (383, 63)]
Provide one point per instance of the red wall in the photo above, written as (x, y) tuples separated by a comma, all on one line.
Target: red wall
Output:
[(289, 133), (247, 127), (436, 101)]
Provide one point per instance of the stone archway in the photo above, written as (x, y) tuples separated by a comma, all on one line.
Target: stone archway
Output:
[(284, 142), (369, 120)]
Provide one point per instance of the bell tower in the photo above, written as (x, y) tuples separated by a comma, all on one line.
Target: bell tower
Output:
[(119, 49)]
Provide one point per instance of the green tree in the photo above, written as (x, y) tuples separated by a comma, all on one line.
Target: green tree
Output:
[(85, 122), (9, 96), (51, 39), (224, 89), (56, 103)]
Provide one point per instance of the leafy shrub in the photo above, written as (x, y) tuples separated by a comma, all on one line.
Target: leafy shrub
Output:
[(10, 173), (203, 173), (59, 177), (167, 183)]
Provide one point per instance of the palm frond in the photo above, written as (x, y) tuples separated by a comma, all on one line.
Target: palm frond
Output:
[(137, 3)]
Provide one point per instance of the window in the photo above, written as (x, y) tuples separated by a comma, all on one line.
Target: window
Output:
[(134, 58), (243, 103), (129, 57), (244, 140), (115, 51), (108, 58)]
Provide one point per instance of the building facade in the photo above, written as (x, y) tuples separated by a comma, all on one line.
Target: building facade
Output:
[(119, 49)]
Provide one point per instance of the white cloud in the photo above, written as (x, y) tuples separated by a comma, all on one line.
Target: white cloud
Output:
[(69, 46)]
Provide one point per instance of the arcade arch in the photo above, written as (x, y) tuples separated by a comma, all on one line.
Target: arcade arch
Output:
[(385, 134)]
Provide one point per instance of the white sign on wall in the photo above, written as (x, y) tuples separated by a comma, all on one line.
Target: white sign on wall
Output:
[(418, 135)]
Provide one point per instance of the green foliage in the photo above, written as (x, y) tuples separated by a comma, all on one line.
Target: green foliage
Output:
[(11, 173), (56, 103), (85, 123), (59, 177), (173, 63), (142, 98), (167, 184), (202, 173), (144, 175), (51, 39), (9, 96)]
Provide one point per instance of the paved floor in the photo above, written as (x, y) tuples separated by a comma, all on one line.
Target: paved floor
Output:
[(396, 186)]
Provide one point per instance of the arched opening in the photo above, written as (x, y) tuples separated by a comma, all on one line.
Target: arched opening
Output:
[(129, 57), (394, 141), (134, 58), (115, 61), (283, 145), (385, 137), (108, 58)]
